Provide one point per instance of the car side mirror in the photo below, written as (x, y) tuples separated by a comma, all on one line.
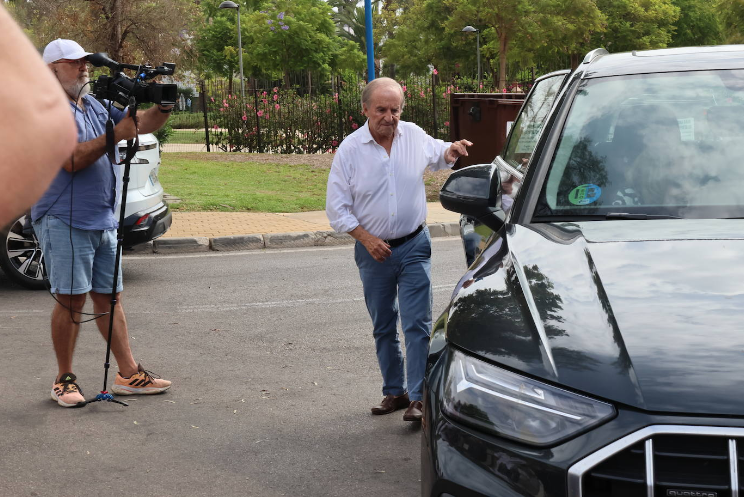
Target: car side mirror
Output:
[(475, 191)]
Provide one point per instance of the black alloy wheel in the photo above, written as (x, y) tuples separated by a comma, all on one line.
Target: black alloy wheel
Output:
[(20, 254)]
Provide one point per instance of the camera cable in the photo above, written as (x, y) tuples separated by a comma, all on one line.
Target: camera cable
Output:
[(48, 286)]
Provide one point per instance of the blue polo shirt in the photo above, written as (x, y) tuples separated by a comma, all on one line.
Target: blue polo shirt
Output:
[(92, 192)]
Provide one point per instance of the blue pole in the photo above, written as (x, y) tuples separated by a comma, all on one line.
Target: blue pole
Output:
[(369, 40)]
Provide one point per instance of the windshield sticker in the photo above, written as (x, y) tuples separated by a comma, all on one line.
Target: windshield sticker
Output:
[(528, 139), (584, 194), (687, 129)]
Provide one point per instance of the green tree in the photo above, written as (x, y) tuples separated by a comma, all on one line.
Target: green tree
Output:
[(216, 44), (292, 35), (129, 30), (511, 30), (351, 25), (732, 19), (565, 29), (347, 57), (420, 24), (698, 24), (278, 36), (636, 24), (502, 21)]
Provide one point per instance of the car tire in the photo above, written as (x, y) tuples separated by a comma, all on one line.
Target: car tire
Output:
[(20, 254)]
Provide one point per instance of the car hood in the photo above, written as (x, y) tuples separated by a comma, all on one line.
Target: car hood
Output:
[(645, 313)]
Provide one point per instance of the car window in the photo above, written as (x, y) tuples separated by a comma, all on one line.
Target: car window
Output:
[(666, 144), (523, 139)]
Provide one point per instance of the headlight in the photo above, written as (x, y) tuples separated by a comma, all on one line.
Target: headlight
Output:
[(510, 405), (135, 159)]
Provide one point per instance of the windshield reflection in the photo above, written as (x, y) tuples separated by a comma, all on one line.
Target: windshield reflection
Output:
[(656, 144)]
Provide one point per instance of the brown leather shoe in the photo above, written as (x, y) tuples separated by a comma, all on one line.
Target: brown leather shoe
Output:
[(415, 412), (390, 403)]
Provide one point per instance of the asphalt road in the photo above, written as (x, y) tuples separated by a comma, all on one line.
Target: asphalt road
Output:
[(274, 372)]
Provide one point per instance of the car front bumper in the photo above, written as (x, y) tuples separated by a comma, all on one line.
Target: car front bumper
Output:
[(457, 460)]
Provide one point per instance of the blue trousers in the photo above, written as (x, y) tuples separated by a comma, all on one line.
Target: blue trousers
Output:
[(400, 286)]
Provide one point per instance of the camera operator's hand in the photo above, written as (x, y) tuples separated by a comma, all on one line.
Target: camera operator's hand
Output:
[(153, 118), (86, 153), (126, 129)]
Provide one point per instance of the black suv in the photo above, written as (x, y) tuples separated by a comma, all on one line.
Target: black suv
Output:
[(593, 347)]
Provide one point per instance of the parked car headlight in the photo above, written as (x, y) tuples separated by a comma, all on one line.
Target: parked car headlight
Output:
[(507, 404)]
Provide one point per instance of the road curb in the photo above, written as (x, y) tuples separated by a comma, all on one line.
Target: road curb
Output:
[(323, 238), (173, 245)]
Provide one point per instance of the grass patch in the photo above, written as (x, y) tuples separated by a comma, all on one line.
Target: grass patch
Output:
[(232, 182), (192, 136)]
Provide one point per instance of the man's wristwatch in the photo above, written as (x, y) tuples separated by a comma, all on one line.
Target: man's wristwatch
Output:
[(165, 110)]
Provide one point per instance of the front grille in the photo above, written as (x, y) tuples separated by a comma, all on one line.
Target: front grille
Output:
[(664, 461)]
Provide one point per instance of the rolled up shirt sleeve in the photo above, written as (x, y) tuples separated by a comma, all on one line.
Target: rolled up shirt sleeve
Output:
[(434, 150), (338, 196)]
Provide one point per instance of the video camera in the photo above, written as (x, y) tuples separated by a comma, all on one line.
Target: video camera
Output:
[(120, 88)]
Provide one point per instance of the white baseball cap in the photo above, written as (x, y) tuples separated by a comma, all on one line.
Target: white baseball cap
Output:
[(63, 49)]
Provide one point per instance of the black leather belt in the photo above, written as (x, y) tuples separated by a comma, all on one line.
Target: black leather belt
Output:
[(405, 238)]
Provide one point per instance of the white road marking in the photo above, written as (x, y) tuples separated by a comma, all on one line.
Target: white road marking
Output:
[(289, 303), (219, 308)]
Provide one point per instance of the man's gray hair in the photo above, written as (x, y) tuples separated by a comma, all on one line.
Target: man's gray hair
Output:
[(380, 83)]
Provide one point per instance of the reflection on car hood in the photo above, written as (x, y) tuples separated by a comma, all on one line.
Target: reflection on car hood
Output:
[(646, 313)]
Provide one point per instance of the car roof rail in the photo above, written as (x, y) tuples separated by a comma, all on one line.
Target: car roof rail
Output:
[(594, 54)]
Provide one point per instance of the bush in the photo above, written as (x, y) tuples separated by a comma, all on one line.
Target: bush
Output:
[(164, 134), (290, 121)]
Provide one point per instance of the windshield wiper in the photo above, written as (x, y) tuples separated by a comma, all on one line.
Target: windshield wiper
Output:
[(640, 216)]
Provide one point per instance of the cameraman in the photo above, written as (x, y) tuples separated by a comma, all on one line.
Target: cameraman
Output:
[(76, 226)]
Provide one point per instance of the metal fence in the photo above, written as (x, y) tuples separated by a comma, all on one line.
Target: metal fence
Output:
[(303, 116)]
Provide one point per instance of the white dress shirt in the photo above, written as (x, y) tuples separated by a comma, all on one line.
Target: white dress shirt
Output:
[(384, 194)]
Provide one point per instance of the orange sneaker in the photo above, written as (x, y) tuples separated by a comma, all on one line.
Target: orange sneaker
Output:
[(67, 393), (143, 382)]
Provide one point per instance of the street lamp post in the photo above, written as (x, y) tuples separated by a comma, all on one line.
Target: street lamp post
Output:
[(232, 5), (470, 29)]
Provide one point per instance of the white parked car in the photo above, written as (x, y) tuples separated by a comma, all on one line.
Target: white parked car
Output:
[(147, 218)]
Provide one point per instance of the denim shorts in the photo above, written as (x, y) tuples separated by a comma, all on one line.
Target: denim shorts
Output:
[(77, 261)]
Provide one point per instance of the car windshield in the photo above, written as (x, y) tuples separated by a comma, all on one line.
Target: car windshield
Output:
[(523, 139), (667, 144)]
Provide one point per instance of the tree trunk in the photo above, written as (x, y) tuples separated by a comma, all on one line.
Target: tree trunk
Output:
[(575, 61), (503, 46), (116, 20)]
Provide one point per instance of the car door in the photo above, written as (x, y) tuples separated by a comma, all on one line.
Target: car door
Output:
[(514, 160)]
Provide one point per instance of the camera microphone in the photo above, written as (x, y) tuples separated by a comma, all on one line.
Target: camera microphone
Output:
[(102, 59)]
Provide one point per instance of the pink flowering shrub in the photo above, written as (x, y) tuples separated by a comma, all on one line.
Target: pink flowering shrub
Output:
[(281, 120)]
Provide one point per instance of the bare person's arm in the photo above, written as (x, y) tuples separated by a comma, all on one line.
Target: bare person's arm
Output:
[(376, 247), (86, 153), (37, 128)]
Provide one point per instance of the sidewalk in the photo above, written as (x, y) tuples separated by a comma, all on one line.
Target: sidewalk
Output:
[(219, 231)]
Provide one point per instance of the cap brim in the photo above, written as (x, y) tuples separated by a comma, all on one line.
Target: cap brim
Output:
[(78, 55), (73, 56)]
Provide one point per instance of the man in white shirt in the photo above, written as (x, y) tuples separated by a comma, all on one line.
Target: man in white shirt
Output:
[(376, 194)]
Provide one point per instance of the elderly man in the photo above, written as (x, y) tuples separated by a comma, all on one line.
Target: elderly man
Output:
[(376, 194), (76, 225)]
